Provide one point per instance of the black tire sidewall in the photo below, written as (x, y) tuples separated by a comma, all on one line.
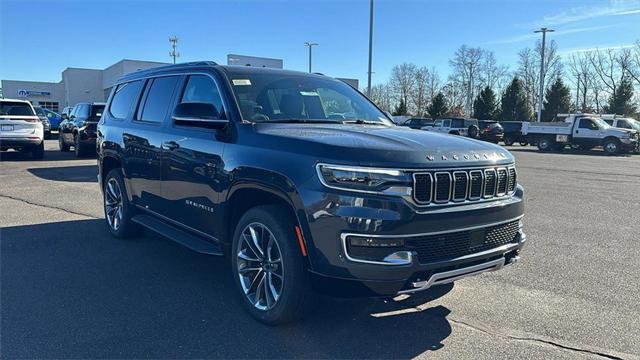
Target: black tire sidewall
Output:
[(127, 228), (508, 141), (77, 146), (295, 294), (38, 151), (544, 141)]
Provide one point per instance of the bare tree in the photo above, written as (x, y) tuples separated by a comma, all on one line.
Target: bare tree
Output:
[(492, 74), (529, 69), (423, 91), (466, 64), (403, 81), (383, 96), (606, 65), (434, 85)]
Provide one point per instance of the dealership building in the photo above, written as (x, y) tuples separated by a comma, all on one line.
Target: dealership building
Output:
[(93, 85)]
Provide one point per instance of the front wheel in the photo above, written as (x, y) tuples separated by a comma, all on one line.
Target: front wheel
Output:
[(508, 141), (268, 266), (545, 144), (611, 146)]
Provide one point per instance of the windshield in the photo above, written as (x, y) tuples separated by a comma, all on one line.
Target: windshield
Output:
[(15, 108), (635, 124), (277, 97)]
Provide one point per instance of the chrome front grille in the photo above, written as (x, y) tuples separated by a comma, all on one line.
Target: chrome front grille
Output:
[(451, 186)]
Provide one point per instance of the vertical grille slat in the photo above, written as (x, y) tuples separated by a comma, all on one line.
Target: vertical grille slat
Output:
[(461, 185), (442, 187), (422, 187), (502, 182), (490, 183), (460, 182), (512, 180)]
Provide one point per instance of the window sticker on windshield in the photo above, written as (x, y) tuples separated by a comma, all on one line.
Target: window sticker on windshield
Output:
[(309, 93), (241, 82)]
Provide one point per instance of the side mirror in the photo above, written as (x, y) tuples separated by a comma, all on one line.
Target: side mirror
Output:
[(199, 115)]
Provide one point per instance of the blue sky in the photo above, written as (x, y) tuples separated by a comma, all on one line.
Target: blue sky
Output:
[(38, 39)]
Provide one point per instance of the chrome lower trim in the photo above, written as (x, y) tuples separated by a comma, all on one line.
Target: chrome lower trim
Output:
[(447, 277), (344, 236)]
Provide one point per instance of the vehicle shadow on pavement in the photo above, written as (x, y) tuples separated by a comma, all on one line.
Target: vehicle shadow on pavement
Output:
[(80, 173), (49, 155), (69, 289)]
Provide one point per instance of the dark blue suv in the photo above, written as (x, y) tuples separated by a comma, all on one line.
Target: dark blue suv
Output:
[(303, 183)]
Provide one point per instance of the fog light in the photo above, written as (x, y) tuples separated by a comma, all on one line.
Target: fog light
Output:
[(375, 242), (399, 257)]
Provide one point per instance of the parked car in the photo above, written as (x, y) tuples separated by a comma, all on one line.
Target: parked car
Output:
[(582, 130), (456, 126), (490, 131), (244, 161), (20, 128), (418, 123), (66, 112), (513, 133), (79, 130), (54, 119), (42, 115), (623, 123)]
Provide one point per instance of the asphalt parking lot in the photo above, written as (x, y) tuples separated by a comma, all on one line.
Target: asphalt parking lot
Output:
[(70, 290)]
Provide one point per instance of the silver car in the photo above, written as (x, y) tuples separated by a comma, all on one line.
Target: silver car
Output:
[(20, 128)]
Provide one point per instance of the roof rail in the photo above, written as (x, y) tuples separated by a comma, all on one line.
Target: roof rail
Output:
[(166, 67)]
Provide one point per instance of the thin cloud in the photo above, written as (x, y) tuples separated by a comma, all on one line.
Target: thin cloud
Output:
[(532, 36), (581, 13), (594, 48)]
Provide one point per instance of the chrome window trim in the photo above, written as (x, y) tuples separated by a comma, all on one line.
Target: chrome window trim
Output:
[(435, 198), (466, 189), (430, 185), (495, 186), (475, 198), (344, 236)]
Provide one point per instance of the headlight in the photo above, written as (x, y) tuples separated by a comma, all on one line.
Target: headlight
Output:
[(364, 179)]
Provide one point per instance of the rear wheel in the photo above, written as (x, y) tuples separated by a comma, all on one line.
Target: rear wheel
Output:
[(268, 267), (38, 152), (508, 141), (61, 144), (117, 209), (545, 144)]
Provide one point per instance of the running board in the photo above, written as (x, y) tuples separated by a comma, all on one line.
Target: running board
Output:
[(180, 236)]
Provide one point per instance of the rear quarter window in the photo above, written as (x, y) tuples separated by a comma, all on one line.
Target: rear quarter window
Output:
[(124, 96)]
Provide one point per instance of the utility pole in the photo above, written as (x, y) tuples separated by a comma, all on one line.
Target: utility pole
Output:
[(370, 48), (310, 44), (174, 44), (544, 32)]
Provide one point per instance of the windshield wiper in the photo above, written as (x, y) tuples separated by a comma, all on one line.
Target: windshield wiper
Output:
[(362, 121), (308, 121)]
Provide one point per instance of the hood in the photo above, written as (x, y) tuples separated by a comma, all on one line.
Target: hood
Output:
[(372, 145), (620, 131)]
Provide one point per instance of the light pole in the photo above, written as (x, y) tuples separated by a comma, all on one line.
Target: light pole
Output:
[(310, 44), (370, 48), (544, 32)]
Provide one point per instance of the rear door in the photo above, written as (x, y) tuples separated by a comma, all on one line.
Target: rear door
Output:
[(192, 160)]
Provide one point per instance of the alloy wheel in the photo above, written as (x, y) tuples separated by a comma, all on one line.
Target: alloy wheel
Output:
[(113, 204), (611, 147), (260, 268)]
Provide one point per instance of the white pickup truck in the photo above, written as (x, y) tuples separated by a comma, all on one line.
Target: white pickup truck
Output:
[(582, 130)]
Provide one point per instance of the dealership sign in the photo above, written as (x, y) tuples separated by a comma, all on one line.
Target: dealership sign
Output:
[(26, 93)]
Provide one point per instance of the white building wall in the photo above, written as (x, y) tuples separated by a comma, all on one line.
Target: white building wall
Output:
[(14, 89)]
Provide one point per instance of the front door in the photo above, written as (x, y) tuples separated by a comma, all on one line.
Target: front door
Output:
[(587, 133), (192, 160)]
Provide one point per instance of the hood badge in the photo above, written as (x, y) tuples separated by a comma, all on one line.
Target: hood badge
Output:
[(455, 157), (476, 156), (466, 157), (430, 157), (444, 157), (495, 155)]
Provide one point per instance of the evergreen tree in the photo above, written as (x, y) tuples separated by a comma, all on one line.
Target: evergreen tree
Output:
[(621, 102), (438, 106), (401, 109), (514, 103), (557, 101), (485, 105)]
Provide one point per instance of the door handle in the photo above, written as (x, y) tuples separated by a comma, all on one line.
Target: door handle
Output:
[(170, 145)]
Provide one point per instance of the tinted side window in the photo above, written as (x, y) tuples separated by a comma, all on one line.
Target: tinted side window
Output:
[(610, 122), (124, 96), (201, 88), (158, 98), (586, 124), (624, 124)]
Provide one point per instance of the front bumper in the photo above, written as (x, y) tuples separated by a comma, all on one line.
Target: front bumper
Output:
[(336, 271)]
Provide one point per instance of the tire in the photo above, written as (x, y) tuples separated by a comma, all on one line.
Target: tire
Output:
[(38, 152), (78, 148), (473, 131), (117, 209), (47, 135), (508, 141), (523, 143), (61, 144), (545, 144), (611, 146), (283, 293)]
